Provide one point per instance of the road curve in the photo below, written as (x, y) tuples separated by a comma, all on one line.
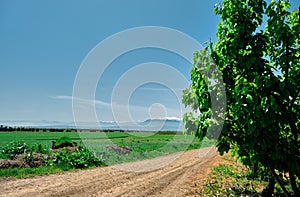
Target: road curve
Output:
[(171, 180)]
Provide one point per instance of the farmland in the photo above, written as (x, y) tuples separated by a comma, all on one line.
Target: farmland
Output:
[(142, 145)]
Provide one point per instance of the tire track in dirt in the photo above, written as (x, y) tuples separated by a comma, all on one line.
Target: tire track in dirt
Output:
[(170, 180), (166, 180)]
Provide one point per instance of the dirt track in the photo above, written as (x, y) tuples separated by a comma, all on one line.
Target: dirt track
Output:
[(171, 180)]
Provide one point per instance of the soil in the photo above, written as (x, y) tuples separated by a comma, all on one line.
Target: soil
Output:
[(118, 149), (23, 161), (177, 178)]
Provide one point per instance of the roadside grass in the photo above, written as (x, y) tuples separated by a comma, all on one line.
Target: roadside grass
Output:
[(231, 178), (30, 172), (143, 145)]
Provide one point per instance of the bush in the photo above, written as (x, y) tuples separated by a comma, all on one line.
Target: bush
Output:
[(13, 149), (80, 158), (63, 139), (39, 148), (34, 160), (16, 148), (63, 142)]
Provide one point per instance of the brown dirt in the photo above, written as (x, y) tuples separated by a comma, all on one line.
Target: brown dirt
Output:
[(22, 161), (174, 179)]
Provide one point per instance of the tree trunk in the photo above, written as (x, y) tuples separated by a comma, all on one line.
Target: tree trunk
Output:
[(296, 190), (269, 189)]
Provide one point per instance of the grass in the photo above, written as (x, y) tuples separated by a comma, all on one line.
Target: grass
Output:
[(144, 145), (44, 138), (230, 178), (30, 172)]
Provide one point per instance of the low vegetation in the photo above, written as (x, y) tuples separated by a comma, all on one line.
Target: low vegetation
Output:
[(19, 158), (41, 153), (232, 178)]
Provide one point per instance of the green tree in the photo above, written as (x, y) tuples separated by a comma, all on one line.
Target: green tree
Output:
[(259, 63)]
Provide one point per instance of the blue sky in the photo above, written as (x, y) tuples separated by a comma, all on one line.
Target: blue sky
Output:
[(43, 44)]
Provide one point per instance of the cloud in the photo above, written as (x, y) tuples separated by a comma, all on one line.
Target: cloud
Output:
[(100, 104), (121, 110), (82, 101)]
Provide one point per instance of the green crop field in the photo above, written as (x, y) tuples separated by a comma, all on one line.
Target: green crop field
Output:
[(143, 145)]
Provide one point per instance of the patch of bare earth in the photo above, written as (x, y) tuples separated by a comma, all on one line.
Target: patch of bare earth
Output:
[(174, 179)]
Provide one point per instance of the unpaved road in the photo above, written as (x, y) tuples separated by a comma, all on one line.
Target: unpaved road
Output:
[(171, 180)]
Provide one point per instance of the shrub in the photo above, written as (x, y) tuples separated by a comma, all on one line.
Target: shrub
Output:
[(34, 160), (80, 158), (13, 149), (64, 141), (39, 148)]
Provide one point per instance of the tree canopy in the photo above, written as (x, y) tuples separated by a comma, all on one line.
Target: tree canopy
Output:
[(258, 58)]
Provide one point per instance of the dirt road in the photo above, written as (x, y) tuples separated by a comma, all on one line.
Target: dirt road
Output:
[(171, 180)]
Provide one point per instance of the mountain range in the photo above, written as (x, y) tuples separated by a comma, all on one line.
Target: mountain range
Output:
[(158, 124)]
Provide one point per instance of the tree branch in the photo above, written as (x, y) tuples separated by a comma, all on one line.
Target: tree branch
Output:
[(294, 185), (279, 182)]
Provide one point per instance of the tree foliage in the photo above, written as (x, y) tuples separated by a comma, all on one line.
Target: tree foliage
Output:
[(258, 54)]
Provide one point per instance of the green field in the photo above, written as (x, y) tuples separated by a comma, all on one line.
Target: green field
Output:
[(144, 145)]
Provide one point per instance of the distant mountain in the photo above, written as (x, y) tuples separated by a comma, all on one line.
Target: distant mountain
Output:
[(164, 124), (160, 120), (158, 124)]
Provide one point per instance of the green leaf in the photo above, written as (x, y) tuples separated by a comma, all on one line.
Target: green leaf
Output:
[(249, 98)]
